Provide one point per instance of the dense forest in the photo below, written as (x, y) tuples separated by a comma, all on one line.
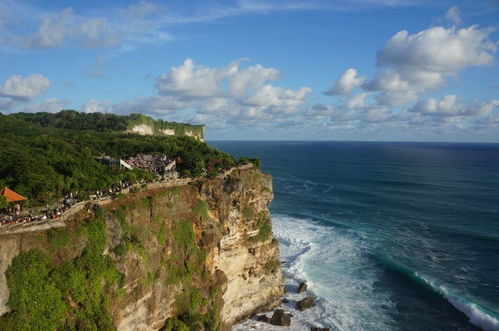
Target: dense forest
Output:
[(45, 161)]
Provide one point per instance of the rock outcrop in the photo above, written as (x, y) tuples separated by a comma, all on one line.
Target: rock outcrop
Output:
[(306, 303), (302, 288), (280, 318), (200, 254)]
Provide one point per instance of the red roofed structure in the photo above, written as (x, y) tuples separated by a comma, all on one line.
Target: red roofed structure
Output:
[(10, 195)]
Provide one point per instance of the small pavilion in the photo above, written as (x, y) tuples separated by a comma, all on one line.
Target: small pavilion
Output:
[(11, 196)]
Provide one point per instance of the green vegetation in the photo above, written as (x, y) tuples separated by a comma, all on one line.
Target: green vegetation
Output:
[(44, 156), (70, 296), (271, 265), (201, 209), (3, 202), (73, 120), (58, 238), (264, 228), (255, 161), (34, 297)]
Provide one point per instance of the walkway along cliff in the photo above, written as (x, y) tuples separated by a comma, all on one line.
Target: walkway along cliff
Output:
[(199, 254)]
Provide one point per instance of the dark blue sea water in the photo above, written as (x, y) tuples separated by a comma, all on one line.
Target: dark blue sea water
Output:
[(390, 236)]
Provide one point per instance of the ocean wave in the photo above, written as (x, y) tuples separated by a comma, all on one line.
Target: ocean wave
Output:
[(477, 314)]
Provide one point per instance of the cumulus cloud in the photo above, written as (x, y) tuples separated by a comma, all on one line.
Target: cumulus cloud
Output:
[(346, 83), (24, 88), (96, 106), (411, 64), (235, 93), (190, 80)]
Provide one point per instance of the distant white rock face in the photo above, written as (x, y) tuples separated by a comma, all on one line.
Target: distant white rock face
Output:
[(192, 134), (142, 129), (169, 132)]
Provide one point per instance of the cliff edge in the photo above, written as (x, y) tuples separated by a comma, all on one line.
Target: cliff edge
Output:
[(198, 255)]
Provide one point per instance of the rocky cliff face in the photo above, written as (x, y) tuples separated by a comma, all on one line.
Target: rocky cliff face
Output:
[(198, 255)]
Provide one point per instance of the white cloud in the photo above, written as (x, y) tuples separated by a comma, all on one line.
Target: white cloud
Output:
[(453, 15), (190, 80), (346, 83), (438, 49), (97, 33), (278, 99), (411, 64), (96, 106), (51, 105), (53, 30), (57, 30), (227, 94), (250, 79), (18, 87), (449, 106), (356, 101)]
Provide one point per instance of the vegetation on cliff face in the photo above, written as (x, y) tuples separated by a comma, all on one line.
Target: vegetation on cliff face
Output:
[(77, 293), (264, 228), (43, 162), (74, 295)]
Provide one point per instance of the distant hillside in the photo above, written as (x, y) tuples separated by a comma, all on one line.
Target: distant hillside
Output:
[(134, 123)]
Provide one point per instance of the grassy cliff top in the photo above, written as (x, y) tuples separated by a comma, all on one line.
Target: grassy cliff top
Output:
[(70, 119)]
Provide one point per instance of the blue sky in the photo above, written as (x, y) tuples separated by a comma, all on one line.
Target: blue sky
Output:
[(412, 70)]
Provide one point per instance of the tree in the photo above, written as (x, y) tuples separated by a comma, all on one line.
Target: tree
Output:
[(3, 202)]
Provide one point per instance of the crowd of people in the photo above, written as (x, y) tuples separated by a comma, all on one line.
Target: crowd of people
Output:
[(17, 215), (25, 216), (155, 163)]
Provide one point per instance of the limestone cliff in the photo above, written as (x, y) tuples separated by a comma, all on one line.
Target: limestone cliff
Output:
[(199, 254)]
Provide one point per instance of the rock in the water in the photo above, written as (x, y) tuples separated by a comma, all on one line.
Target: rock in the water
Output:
[(284, 300), (314, 328), (302, 288), (280, 318), (306, 303), (262, 318)]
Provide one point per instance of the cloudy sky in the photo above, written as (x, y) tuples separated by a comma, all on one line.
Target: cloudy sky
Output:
[(416, 70)]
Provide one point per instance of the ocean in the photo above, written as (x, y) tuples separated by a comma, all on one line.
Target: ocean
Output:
[(388, 236)]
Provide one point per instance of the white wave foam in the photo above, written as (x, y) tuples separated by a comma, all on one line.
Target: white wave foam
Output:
[(334, 264), (477, 316)]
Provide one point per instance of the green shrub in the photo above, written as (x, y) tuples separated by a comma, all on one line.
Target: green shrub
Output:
[(201, 209), (57, 238), (264, 228), (35, 299)]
